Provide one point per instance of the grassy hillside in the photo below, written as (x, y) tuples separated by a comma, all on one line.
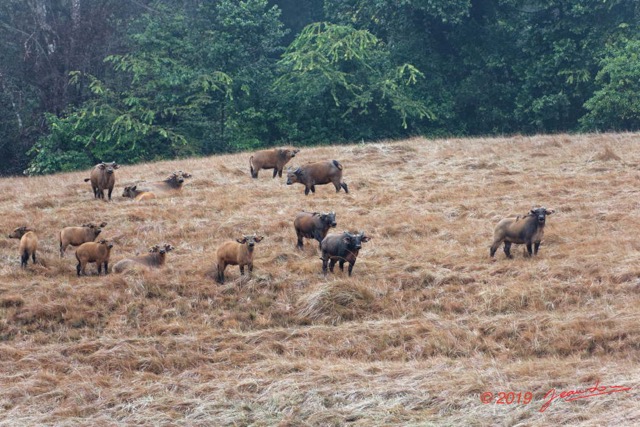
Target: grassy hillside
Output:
[(426, 323)]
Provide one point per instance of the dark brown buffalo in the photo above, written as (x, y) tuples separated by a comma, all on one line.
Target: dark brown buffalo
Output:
[(313, 225), (103, 178), (341, 248)]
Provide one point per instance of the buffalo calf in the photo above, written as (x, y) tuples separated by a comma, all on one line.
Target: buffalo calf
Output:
[(156, 258), (238, 253), (28, 244), (98, 252), (271, 159)]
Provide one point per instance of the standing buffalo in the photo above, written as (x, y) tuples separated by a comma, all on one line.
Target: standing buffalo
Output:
[(527, 230), (98, 252), (238, 253), (28, 244), (318, 173), (341, 248), (75, 236), (103, 178), (313, 225), (271, 159)]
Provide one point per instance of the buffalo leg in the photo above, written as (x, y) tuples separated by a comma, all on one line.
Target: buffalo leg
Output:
[(279, 173), (106, 268), (493, 250), (529, 249), (341, 265), (344, 185), (33, 257), (221, 273), (306, 190), (338, 186), (536, 246), (99, 268), (24, 259), (332, 264), (78, 268), (110, 190), (507, 249), (324, 264), (250, 268), (242, 270), (351, 264), (300, 242), (275, 172)]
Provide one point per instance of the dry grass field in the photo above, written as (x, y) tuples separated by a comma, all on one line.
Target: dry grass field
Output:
[(426, 324)]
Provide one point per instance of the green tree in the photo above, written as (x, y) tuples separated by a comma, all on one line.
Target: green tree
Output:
[(561, 42), (615, 105), (338, 82), (190, 84)]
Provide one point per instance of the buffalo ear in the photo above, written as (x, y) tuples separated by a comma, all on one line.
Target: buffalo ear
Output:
[(550, 211), (102, 166), (532, 211), (298, 171), (104, 224), (258, 238), (366, 238), (132, 188), (115, 165), (242, 241)]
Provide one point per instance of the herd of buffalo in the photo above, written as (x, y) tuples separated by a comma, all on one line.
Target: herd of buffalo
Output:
[(335, 248)]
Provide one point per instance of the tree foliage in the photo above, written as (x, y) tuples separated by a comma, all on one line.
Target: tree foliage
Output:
[(616, 102), (89, 80), (339, 77)]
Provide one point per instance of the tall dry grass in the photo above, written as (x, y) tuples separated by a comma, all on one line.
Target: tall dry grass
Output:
[(425, 325)]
